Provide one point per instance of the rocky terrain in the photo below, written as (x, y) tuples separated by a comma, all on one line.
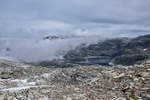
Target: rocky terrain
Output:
[(20, 81)]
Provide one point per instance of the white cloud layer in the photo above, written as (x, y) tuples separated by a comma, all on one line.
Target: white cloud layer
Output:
[(20, 18), (22, 22)]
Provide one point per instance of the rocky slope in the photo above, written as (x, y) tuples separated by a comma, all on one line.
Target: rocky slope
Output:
[(55, 37), (20, 81), (122, 51)]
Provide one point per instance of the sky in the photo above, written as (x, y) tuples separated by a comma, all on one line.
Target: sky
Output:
[(23, 23), (37, 18)]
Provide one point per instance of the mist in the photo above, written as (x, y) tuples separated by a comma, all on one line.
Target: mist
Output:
[(24, 23), (33, 50)]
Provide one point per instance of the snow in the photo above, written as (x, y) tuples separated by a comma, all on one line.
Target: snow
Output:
[(145, 49), (32, 83), (21, 85), (23, 82), (17, 88), (17, 80), (4, 79), (21, 88)]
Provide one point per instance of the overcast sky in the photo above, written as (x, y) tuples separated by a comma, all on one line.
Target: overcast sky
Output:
[(36, 18)]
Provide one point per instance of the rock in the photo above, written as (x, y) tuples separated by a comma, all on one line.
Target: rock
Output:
[(136, 98), (120, 98), (120, 75), (1, 97), (68, 98), (6, 75), (44, 98), (77, 83), (148, 62), (145, 74)]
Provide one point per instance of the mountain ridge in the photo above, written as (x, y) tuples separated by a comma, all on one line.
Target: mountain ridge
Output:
[(125, 51)]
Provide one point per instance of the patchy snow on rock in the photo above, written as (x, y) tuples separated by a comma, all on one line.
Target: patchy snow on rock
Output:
[(32, 83), (25, 66), (17, 80), (144, 49), (24, 82), (20, 84), (17, 88)]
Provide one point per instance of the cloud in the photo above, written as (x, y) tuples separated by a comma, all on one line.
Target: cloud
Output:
[(32, 28), (33, 19), (35, 16), (30, 50)]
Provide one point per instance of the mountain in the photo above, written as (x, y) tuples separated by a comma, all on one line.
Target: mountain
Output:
[(56, 37), (137, 49), (52, 37), (124, 51), (78, 50), (62, 81)]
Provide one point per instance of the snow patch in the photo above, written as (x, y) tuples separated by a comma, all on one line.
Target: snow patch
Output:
[(23, 82), (17, 88), (144, 49)]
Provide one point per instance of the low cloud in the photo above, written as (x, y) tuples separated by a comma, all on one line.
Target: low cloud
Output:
[(23, 22), (30, 50)]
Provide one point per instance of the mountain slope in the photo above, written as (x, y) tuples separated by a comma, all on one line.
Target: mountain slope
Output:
[(123, 51)]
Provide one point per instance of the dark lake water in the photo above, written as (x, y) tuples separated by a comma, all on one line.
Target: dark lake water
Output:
[(100, 61)]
